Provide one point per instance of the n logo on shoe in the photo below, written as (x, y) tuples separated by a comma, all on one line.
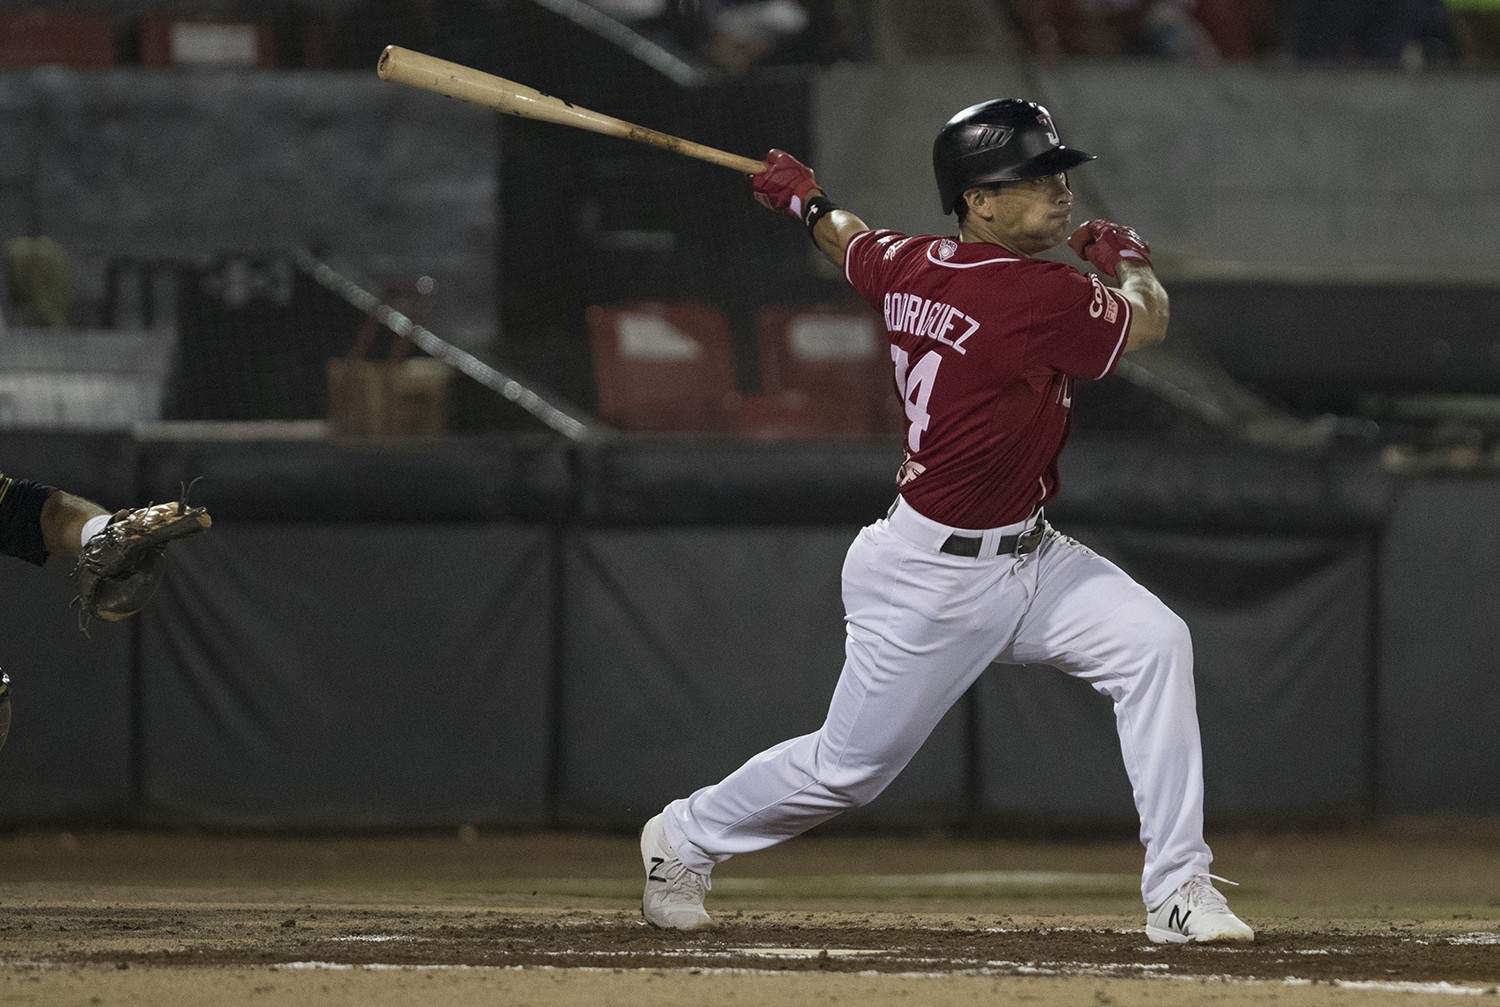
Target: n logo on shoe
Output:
[(658, 861), (1177, 919)]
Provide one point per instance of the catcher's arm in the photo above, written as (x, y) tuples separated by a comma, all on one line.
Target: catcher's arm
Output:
[(63, 518), (37, 520)]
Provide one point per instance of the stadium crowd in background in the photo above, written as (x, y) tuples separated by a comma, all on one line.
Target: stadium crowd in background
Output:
[(1413, 34), (733, 36), (1408, 34)]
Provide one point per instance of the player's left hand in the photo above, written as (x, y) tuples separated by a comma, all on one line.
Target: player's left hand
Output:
[(121, 567), (786, 185), (1106, 244)]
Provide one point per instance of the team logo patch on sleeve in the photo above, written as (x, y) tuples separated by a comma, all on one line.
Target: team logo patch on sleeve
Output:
[(1103, 302)]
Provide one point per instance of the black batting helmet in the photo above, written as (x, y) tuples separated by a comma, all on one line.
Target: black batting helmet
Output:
[(1003, 140)]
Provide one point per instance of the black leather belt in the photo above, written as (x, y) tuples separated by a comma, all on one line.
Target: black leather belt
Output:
[(1023, 544)]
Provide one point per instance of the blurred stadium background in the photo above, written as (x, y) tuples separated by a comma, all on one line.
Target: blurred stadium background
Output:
[(533, 454)]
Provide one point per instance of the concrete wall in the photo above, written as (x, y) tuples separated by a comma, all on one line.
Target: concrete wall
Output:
[(1277, 170), (1242, 169), (189, 166)]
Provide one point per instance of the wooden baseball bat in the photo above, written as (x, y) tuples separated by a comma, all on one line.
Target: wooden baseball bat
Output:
[(468, 84)]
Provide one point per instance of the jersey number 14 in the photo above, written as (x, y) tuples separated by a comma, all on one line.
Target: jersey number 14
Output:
[(915, 384)]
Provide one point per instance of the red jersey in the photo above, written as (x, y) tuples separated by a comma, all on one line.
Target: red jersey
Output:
[(986, 345)]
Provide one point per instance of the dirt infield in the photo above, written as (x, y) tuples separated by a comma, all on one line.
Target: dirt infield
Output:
[(1398, 915)]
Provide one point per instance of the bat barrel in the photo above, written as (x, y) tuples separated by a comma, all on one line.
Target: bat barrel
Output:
[(405, 66)]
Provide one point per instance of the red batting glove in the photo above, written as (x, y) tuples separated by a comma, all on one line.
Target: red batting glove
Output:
[(785, 185), (1106, 244)]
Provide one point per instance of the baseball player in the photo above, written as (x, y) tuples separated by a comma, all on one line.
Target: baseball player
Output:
[(987, 344), (119, 557)]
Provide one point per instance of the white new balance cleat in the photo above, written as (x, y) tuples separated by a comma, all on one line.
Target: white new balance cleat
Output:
[(1196, 913), (674, 894)]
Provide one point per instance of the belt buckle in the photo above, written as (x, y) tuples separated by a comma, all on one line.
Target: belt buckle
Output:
[(1028, 540)]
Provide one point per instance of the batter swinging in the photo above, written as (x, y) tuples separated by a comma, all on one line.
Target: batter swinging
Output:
[(987, 342)]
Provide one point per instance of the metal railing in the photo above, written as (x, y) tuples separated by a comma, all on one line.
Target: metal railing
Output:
[(545, 406)]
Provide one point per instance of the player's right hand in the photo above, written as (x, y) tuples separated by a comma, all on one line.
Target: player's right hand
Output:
[(1105, 244), (786, 184)]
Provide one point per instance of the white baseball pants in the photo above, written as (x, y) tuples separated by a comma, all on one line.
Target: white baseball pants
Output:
[(921, 627)]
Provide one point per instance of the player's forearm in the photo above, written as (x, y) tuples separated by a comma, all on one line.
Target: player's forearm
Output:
[(1148, 305), (63, 518), (833, 232)]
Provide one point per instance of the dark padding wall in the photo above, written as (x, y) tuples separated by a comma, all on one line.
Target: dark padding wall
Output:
[(697, 568), (704, 621), (689, 650), (1281, 630), (364, 639), (409, 632), (1439, 681), (350, 676), (71, 752)]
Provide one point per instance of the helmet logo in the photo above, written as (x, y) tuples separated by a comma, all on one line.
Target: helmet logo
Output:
[(1045, 121), (993, 136)]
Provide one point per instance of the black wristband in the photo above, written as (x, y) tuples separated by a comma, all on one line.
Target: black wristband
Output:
[(816, 207)]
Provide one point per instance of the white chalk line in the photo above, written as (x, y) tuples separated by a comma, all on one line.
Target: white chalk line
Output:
[(804, 952), (1476, 937), (1388, 987), (949, 881), (990, 970), (997, 969)]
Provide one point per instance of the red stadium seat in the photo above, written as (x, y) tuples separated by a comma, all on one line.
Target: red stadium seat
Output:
[(181, 42), (670, 367), (663, 366), (836, 356), (34, 37)]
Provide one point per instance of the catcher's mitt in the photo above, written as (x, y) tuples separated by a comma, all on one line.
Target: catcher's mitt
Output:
[(121, 567)]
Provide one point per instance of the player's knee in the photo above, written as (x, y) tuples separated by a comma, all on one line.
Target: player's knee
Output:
[(1175, 634), (1156, 629), (856, 795), (855, 789)]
